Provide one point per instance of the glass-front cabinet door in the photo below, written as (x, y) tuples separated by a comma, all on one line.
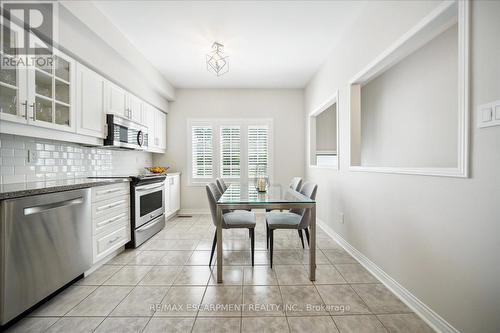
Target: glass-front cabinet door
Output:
[(13, 93), (52, 93)]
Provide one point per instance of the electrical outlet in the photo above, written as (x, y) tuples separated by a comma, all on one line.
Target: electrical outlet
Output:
[(341, 218), (32, 156)]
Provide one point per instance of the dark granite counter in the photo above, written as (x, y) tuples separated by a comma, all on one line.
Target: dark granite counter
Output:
[(11, 191)]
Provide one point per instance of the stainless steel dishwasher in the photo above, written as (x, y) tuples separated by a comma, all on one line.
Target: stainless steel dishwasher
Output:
[(45, 243)]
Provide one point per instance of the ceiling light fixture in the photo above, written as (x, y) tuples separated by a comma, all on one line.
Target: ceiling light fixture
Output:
[(217, 63)]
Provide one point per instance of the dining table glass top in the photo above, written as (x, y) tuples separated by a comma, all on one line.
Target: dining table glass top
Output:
[(245, 193)]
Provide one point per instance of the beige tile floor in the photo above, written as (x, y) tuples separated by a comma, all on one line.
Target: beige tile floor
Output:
[(167, 286)]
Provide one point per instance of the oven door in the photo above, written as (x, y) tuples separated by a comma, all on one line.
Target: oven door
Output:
[(149, 202)]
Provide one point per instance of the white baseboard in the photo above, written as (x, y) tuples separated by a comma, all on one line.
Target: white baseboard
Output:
[(423, 311)]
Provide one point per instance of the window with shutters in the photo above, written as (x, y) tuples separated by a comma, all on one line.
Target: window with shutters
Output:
[(235, 150), (202, 152), (230, 159), (258, 151)]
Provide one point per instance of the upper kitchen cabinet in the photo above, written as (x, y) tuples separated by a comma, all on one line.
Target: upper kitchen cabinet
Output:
[(90, 115), (124, 104), (117, 100), (161, 129), (134, 108), (39, 96), (51, 94), (156, 121), (13, 90)]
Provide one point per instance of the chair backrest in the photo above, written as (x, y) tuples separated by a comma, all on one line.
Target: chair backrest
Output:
[(308, 189), (295, 183), (213, 195), (221, 185)]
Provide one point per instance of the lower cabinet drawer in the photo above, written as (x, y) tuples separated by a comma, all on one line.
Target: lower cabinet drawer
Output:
[(106, 243), (111, 221), (109, 191), (101, 208)]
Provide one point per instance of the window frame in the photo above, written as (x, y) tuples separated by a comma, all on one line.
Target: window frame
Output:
[(216, 124)]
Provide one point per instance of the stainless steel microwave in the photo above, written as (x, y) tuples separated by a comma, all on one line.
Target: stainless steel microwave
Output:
[(126, 134)]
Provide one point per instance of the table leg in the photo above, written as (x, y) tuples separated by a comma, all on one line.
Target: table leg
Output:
[(219, 245), (312, 246)]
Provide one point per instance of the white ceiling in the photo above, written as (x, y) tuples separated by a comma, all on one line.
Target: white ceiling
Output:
[(270, 44)]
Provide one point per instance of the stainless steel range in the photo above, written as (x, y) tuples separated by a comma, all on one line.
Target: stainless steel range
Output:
[(148, 207)]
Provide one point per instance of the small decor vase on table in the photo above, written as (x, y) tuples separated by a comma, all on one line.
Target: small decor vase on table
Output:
[(261, 179)]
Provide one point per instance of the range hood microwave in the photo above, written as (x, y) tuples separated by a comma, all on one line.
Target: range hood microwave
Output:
[(125, 134)]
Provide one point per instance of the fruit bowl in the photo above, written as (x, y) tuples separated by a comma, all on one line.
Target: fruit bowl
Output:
[(157, 169)]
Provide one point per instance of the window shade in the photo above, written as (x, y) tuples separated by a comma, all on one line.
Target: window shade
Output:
[(230, 152), (201, 142), (258, 138)]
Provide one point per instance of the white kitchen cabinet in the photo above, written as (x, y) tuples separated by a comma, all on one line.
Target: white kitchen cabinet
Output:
[(172, 194), (134, 107), (117, 100), (43, 97), (110, 219), (161, 129), (13, 91), (90, 114), (51, 94), (156, 121), (149, 118), (124, 104)]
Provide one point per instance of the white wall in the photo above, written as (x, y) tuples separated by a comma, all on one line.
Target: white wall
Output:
[(326, 129), (285, 107), (409, 113), (438, 237)]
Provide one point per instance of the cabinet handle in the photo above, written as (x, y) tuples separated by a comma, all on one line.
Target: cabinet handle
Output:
[(111, 205), (25, 104), (110, 191), (111, 220), (114, 240), (32, 105)]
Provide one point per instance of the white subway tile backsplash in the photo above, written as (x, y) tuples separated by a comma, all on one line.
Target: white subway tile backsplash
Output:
[(20, 153), (11, 179), (7, 170), (7, 152), (6, 161), (25, 170), (29, 159), (35, 178), (49, 147)]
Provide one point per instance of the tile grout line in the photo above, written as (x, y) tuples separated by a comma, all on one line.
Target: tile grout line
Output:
[(197, 242)]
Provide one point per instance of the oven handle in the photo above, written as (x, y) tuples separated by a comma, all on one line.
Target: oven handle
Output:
[(145, 188)]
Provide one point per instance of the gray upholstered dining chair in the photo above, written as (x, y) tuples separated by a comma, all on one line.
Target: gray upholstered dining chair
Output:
[(221, 185), (299, 219), (230, 220), (295, 183)]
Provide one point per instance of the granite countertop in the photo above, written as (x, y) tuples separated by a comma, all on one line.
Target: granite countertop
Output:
[(11, 191)]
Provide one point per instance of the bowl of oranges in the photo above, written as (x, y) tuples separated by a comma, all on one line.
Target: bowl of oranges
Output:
[(157, 169)]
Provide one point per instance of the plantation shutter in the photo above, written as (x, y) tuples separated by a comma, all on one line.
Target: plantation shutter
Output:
[(258, 150), (201, 142), (230, 166)]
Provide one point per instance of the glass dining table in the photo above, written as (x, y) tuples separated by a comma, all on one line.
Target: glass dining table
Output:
[(245, 196)]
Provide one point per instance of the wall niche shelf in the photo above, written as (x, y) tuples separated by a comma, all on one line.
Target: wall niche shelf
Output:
[(445, 17)]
